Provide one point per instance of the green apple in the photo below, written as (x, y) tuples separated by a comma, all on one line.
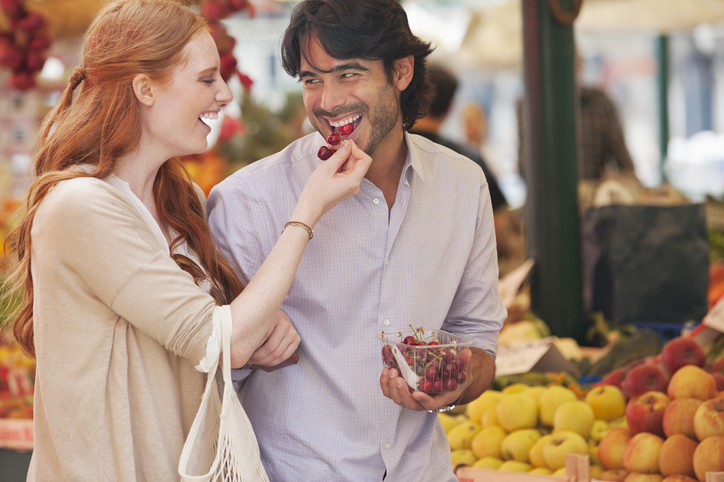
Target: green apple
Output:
[(488, 441), (516, 411), (576, 416), (551, 399), (535, 455), (517, 444), (475, 409), (560, 444), (607, 401)]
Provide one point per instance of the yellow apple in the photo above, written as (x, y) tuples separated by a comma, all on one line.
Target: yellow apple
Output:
[(541, 471), (488, 463), (599, 429), (595, 471), (448, 422), (677, 456), (517, 444), (514, 466), (576, 416), (560, 472), (709, 419), (535, 456), (516, 411), (488, 441), (708, 456), (642, 453), (515, 388), (559, 445), (639, 477), (607, 401), (534, 392), (593, 451), (613, 475), (490, 417), (551, 399), (612, 447), (475, 409), (461, 436), (462, 456)]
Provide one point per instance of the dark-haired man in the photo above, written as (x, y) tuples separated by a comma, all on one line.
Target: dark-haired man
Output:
[(415, 247)]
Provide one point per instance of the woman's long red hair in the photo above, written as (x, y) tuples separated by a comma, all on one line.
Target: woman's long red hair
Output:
[(97, 120)]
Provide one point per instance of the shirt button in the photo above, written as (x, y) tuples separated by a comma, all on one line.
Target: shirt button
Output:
[(387, 445), (385, 322), (376, 200), (387, 261)]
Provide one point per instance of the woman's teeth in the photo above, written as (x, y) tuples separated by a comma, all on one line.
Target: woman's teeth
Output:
[(209, 115)]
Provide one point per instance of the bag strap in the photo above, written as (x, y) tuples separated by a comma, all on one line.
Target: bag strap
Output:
[(225, 329)]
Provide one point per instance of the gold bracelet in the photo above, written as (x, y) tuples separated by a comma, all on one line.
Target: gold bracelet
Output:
[(301, 225)]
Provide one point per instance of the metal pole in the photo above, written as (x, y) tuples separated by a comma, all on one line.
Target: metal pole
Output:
[(550, 133), (662, 81)]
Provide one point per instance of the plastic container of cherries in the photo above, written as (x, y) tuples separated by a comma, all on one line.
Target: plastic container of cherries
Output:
[(428, 360)]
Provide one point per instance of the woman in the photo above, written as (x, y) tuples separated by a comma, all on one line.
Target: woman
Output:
[(121, 334)]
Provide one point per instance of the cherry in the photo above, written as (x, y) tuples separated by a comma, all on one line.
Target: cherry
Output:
[(425, 386), (437, 386), (346, 129), (334, 139), (462, 377), (450, 370), (448, 356), (325, 153), (431, 373), (410, 340), (450, 384)]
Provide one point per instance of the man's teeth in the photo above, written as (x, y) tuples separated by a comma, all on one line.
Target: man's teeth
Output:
[(346, 121), (209, 115)]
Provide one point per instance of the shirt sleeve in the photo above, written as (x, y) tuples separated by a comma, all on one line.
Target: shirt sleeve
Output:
[(114, 256), (477, 311)]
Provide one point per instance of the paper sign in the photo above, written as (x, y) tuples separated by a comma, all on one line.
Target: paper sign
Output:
[(509, 285), (16, 434), (536, 355)]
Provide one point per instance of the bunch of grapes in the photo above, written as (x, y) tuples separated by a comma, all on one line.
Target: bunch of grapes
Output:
[(214, 11), (439, 367), (23, 48)]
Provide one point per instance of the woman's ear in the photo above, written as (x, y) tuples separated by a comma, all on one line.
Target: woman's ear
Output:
[(143, 90), (404, 71)]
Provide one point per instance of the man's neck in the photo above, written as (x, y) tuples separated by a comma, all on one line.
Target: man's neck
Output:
[(386, 168)]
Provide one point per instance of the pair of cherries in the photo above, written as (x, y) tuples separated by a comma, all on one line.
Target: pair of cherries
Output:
[(334, 139)]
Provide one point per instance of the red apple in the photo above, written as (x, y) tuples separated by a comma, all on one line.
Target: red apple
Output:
[(645, 378), (682, 351), (679, 417), (691, 381), (677, 456), (719, 379), (708, 457), (717, 366), (646, 413), (611, 448), (615, 377), (709, 419)]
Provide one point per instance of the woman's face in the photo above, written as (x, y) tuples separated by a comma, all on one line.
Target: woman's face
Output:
[(174, 124)]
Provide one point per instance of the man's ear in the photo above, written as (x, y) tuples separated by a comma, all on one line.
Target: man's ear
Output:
[(403, 72), (143, 90)]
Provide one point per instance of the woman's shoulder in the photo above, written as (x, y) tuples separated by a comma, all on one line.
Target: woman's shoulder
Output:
[(87, 195)]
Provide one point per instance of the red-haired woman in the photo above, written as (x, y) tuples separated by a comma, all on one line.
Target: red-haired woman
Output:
[(121, 334)]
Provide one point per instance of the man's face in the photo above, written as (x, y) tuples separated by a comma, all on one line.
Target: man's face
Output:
[(349, 91)]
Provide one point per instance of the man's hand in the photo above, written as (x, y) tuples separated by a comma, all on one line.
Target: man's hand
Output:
[(482, 372), (281, 342)]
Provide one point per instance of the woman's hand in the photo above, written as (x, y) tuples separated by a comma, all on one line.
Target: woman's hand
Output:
[(282, 339), (333, 181)]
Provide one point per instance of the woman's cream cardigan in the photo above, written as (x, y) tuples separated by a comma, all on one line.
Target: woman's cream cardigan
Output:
[(118, 330)]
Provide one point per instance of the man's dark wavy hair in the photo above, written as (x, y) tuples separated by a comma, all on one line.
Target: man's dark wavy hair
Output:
[(366, 29)]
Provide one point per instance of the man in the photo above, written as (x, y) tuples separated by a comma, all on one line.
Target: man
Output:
[(414, 248), (445, 85)]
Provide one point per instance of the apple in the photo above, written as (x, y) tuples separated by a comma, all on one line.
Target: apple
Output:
[(614, 475), (534, 392), (642, 453), (488, 463), (709, 419), (514, 466), (541, 471), (615, 378), (691, 381), (490, 417), (599, 429), (475, 409), (516, 411), (645, 413), (487, 442), (645, 378), (717, 366), (516, 445), (679, 478), (576, 416), (682, 351), (535, 455), (708, 457), (679, 417), (560, 444), (639, 477), (611, 448), (551, 399), (607, 401), (719, 379), (677, 455)]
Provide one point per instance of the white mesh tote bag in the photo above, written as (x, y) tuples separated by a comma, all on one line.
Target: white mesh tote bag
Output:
[(221, 445)]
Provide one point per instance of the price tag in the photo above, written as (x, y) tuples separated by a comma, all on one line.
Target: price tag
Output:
[(536, 355)]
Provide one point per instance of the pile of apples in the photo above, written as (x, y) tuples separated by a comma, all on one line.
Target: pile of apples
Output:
[(23, 48), (639, 431)]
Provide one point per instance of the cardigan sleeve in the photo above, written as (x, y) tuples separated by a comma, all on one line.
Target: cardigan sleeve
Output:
[(99, 237)]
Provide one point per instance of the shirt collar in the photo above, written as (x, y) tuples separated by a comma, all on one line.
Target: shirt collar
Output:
[(413, 158)]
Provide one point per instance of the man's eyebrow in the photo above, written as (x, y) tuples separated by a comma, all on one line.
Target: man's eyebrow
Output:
[(336, 69)]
